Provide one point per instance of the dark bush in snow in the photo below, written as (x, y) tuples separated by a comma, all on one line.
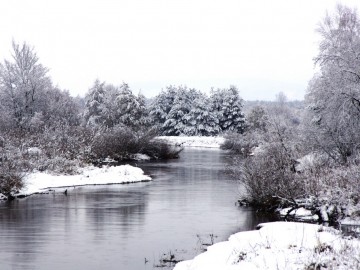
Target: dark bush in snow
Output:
[(159, 149), (122, 143), (268, 177), (13, 168), (117, 143)]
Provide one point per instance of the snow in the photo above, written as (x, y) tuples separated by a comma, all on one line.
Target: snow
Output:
[(299, 213), (350, 221), (280, 245), (39, 182), (140, 157), (306, 162), (34, 151), (194, 141)]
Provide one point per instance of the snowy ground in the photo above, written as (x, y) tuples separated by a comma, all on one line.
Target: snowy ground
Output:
[(299, 214), (40, 182), (280, 245), (193, 141)]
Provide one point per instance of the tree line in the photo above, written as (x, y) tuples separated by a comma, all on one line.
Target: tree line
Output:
[(175, 111)]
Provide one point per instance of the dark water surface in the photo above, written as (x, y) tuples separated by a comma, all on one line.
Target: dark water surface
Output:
[(118, 226)]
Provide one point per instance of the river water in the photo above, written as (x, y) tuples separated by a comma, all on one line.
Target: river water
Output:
[(124, 226)]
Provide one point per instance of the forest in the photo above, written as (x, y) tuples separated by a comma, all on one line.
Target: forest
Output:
[(285, 153)]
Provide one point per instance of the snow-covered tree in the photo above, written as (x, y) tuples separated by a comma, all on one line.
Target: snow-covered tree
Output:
[(94, 106), (180, 110), (227, 104), (334, 92), (61, 109), (109, 106), (201, 121), (131, 109), (176, 121), (257, 119), (162, 104), (23, 82)]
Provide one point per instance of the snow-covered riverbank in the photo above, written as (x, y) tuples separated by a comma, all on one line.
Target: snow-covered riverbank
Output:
[(280, 245), (193, 141), (39, 182)]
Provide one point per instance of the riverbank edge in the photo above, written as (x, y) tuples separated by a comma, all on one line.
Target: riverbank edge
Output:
[(45, 182), (280, 245), (177, 141), (194, 141)]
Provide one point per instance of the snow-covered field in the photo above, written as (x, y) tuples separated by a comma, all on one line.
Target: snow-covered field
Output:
[(280, 245), (39, 182), (193, 141)]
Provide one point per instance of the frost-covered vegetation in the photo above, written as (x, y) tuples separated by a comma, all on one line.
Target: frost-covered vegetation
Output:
[(309, 157), (44, 128)]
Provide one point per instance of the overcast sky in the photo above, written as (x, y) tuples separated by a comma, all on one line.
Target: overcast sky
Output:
[(261, 46)]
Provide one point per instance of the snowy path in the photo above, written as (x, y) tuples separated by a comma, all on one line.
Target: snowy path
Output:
[(280, 245), (39, 182)]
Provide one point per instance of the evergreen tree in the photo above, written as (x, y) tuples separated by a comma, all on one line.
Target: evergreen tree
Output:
[(132, 110), (176, 120), (161, 106), (227, 105), (94, 106), (201, 121)]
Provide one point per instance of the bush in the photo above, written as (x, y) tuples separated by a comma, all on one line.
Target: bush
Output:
[(268, 177), (121, 144), (118, 144), (13, 168), (160, 149), (335, 192), (241, 144)]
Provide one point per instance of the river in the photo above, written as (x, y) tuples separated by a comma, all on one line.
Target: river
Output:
[(128, 227)]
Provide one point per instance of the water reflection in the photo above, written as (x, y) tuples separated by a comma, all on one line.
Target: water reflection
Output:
[(117, 227)]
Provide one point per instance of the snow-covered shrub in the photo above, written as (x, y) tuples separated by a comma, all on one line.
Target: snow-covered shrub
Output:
[(241, 144), (13, 168), (266, 157), (61, 165), (335, 191), (255, 133), (269, 177)]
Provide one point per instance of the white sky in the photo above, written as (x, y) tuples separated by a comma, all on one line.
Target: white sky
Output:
[(261, 46)]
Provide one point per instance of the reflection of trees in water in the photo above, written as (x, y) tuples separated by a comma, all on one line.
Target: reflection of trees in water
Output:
[(114, 222), (36, 225), (24, 229), (117, 210)]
